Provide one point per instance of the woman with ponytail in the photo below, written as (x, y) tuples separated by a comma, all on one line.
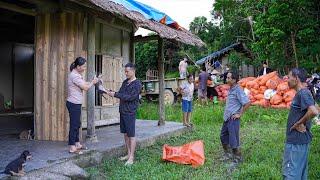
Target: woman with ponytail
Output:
[(76, 86)]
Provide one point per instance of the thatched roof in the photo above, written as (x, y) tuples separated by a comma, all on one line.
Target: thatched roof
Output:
[(139, 20)]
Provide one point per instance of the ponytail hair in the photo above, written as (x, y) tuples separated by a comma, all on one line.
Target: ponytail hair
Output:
[(78, 62)]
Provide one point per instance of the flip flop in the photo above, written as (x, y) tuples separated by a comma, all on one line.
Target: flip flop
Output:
[(123, 158), (76, 152), (82, 147), (128, 163)]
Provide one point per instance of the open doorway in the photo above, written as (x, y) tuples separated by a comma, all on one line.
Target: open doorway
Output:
[(16, 72)]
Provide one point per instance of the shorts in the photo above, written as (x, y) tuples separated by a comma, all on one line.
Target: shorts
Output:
[(202, 93), (295, 161), (128, 124), (186, 106)]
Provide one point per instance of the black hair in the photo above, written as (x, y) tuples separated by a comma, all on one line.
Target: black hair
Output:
[(190, 75), (130, 65), (300, 73), (203, 68), (234, 75), (78, 62), (265, 62)]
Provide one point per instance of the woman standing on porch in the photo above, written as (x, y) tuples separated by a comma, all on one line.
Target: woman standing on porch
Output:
[(76, 85)]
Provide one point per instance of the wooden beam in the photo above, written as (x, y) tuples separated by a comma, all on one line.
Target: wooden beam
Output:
[(145, 38), (161, 82), (91, 132), (132, 49), (15, 8)]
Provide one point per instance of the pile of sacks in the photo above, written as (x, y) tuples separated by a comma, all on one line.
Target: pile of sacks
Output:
[(222, 91), (268, 90)]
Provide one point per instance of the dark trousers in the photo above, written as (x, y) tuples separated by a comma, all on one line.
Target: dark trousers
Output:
[(211, 91), (230, 133), (75, 122)]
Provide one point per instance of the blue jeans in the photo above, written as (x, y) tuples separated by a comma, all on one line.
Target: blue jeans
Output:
[(295, 161), (229, 134), (186, 106)]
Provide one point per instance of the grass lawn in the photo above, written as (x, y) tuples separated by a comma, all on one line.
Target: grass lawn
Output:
[(262, 142)]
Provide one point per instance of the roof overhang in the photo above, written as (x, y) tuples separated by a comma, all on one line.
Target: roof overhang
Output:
[(164, 31)]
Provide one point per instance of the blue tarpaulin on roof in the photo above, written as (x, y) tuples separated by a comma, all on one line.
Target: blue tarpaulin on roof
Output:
[(218, 54), (147, 11)]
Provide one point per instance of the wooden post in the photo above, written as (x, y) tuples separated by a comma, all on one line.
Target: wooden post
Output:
[(91, 132), (132, 50), (161, 82)]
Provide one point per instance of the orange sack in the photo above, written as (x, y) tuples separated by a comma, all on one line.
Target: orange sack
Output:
[(282, 88), (265, 78), (289, 95), (276, 99), (191, 153), (273, 83)]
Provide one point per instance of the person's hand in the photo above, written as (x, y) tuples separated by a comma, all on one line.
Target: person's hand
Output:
[(111, 93), (299, 127), (235, 116), (95, 80)]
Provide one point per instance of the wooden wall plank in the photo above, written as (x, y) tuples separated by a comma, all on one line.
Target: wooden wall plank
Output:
[(45, 99), (61, 109), (38, 80), (59, 39)]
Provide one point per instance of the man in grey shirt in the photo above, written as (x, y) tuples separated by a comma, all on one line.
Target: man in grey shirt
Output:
[(298, 135), (237, 103)]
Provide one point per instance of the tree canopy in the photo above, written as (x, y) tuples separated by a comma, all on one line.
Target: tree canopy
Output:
[(284, 33)]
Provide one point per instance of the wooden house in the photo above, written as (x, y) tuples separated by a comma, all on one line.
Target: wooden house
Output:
[(41, 38)]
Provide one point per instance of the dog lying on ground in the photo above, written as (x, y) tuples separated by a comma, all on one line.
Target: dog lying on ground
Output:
[(16, 167)]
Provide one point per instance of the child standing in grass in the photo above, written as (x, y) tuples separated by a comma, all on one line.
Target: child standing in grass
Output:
[(236, 105), (187, 96)]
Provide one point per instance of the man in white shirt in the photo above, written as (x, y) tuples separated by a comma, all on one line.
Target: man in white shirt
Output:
[(265, 70), (183, 68)]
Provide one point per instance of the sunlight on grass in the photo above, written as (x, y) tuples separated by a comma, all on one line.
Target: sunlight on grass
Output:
[(262, 138)]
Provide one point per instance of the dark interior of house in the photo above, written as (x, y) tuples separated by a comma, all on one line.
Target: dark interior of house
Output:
[(16, 71)]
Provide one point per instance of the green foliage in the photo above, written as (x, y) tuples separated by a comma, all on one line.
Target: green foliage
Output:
[(262, 142), (192, 69), (172, 74), (146, 57), (285, 33)]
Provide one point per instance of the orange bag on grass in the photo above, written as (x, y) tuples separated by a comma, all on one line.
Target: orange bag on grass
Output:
[(191, 153)]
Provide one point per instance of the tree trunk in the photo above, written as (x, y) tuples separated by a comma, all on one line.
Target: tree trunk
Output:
[(91, 132), (161, 83), (293, 41)]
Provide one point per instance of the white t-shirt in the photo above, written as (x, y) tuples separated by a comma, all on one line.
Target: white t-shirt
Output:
[(187, 89), (264, 71), (183, 66)]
